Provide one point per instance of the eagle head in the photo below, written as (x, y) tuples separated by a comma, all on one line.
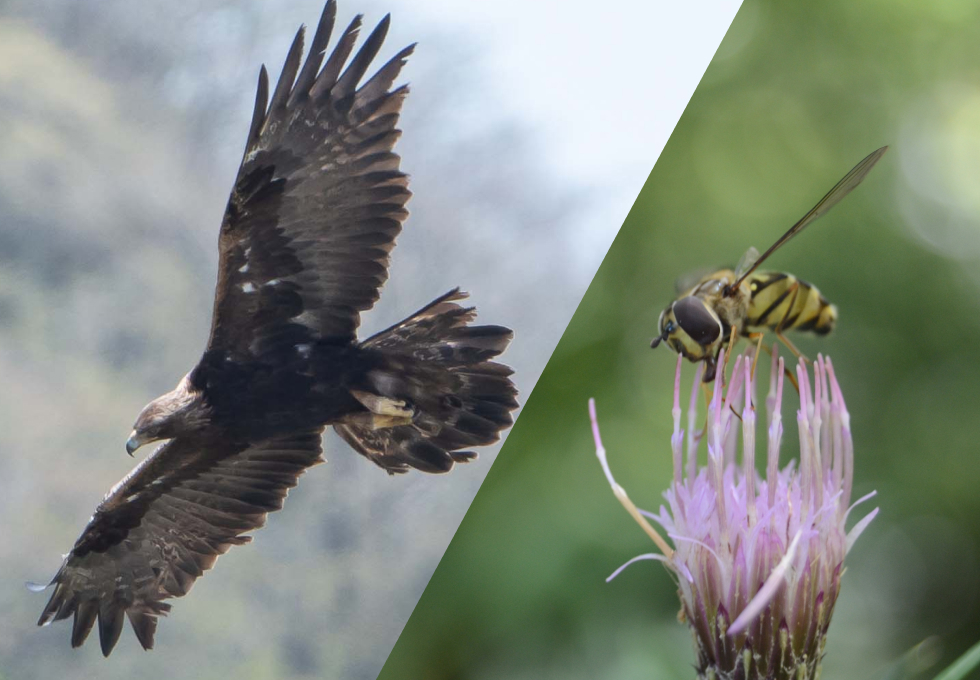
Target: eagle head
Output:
[(179, 411)]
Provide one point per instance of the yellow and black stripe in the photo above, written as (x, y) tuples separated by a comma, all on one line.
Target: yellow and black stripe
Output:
[(781, 300)]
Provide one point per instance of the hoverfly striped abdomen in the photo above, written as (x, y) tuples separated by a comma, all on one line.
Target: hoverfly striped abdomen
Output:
[(785, 302)]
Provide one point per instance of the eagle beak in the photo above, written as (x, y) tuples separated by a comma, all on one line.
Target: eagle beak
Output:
[(133, 443)]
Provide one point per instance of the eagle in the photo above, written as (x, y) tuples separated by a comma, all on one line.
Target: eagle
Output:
[(304, 248)]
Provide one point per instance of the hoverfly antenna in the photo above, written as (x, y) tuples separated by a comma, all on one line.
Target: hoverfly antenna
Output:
[(656, 342)]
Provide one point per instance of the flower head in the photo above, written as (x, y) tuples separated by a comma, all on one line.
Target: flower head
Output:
[(758, 560)]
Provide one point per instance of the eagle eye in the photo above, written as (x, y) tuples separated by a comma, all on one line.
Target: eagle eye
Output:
[(696, 320)]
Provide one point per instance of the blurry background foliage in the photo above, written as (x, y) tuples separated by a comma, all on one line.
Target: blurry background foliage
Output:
[(796, 95)]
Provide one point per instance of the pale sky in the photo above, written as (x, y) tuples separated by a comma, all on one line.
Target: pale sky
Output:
[(620, 73)]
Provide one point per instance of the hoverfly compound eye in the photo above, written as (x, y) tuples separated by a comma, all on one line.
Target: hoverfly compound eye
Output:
[(666, 323), (696, 320), (660, 325)]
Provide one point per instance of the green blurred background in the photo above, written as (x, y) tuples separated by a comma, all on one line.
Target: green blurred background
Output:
[(797, 94)]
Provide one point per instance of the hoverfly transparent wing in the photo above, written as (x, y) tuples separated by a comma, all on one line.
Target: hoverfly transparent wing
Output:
[(833, 197), (691, 279), (746, 264)]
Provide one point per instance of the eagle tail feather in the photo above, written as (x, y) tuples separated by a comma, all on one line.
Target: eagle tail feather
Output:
[(441, 366)]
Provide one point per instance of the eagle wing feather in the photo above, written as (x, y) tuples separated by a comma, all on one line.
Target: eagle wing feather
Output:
[(165, 524), (318, 201)]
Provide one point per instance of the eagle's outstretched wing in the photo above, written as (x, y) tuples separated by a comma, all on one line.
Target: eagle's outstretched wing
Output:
[(165, 524), (318, 201)]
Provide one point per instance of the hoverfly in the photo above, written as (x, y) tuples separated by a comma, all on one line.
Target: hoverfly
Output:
[(728, 304)]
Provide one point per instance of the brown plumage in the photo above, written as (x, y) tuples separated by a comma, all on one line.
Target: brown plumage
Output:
[(303, 249)]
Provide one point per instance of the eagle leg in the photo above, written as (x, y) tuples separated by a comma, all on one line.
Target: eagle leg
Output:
[(387, 408), (373, 421)]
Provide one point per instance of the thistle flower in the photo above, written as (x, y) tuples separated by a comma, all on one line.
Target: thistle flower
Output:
[(758, 561)]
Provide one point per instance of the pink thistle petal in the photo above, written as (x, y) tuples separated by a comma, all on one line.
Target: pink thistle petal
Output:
[(693, 437), (826, 452), (838, 444), (774, 373), (702, 544), (845, 425), (600, 450), (816, 421), (733, 401), (748, 445), (859, 528), (865, 497), (658, 519), (767, 591), (715, 412), (775, 433), (806, 474), (638, 558), (837, 392)]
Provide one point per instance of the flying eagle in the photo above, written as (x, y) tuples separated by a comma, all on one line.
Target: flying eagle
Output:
[(303, 249)]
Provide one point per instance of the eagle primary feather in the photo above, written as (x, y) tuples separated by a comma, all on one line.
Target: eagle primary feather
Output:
[(303, 250)]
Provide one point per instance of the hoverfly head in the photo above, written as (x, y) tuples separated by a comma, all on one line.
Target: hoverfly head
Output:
[(690, 328)]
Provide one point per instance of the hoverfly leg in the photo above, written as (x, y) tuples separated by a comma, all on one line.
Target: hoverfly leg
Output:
[(788, 373), (792, 348), (732, 337), (779, 327), (792, 378), (758, 347)]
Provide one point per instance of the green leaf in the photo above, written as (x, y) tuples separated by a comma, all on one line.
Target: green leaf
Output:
[(963, 665)]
